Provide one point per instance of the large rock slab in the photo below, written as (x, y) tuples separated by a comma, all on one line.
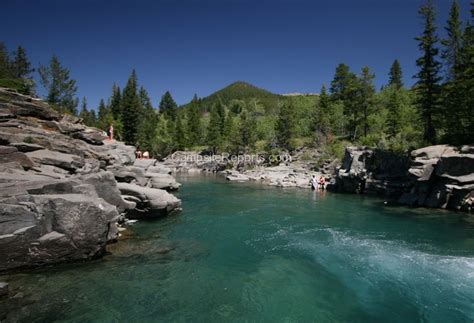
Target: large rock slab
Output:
[(47, 229), (151, 202), (65, 161)]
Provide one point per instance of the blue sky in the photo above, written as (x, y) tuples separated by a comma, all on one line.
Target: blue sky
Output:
[(190, 47)]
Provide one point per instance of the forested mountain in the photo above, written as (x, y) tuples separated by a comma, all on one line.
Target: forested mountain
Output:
[(241, 91)]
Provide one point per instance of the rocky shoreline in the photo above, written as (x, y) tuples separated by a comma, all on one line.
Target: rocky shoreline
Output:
[(436, 176), (65, 188)]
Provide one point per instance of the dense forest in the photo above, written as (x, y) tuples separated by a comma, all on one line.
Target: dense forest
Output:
[(241, 118)]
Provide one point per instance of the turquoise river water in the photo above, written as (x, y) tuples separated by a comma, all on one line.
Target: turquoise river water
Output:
[(250, 253)]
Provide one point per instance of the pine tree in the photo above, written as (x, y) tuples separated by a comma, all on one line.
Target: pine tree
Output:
[(131, 110), (339, 85), (102, 116), (5, 64), (393, 107), (21, 66), (427, 86), (180, 134), (321, 126), (221, 112), (61, 88), (247, 130), (194, 122), (396, 75), (214, 129), (85, 114), (452, 44), (93, 118), (148, 121), (367, 91), (168, 106), (116, 102), (285, 127)]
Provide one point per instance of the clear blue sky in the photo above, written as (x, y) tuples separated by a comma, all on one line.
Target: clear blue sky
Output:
[(200, 46)]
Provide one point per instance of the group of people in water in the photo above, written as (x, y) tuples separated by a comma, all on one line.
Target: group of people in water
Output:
[(318, 183)]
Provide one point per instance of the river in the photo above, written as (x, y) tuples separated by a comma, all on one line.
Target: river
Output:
[(245, 252)]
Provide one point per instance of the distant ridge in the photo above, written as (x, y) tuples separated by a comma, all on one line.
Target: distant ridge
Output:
[(300, 94), (241, 91)]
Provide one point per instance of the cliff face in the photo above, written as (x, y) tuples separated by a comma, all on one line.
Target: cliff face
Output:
[(59, 196), (436, 176)]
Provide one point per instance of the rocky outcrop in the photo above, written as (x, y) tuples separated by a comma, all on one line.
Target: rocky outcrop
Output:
[(443, 177), (372, 171), (436, 176), (59, 198)]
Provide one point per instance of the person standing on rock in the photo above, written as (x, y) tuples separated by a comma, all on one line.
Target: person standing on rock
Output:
[(111, 132), (322, 183), (314, 183)]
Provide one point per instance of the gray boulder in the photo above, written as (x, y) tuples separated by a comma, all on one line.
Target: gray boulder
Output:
[(151, 202)]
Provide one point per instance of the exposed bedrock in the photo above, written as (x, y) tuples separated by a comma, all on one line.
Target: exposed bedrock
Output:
[(59, 198), (438, 176)]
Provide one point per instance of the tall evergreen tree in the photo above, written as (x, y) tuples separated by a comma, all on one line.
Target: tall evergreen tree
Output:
[(220, 108), (102, 115), (247, 130), (321, 123), (168, 106), (396, 75), (285, 127), (61, 88), (452, 44), (85, 114), (427, 86), (194, 122), (5, 64), (367, 91), (116, 102), (21, 66), (148, 122), (131, 110), (214, 129), (340, 84), (180, 134)]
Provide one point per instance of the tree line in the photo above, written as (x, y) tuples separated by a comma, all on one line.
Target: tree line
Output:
[(437, 109)]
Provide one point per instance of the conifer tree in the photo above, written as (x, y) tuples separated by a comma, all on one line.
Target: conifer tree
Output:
[(341, 82), (168, 106), (116, 102), (61, 88), (247, 130), (131, 110), (180, 134), (85, 114), (214, 129), (427, 86), (396, 75), (367, 91), (285, 127), (452, 44), (194, 122), (102, 116), (148, 122), (5, 64), (321, 120), (21, 66)]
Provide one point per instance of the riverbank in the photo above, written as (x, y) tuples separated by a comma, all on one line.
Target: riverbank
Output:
[(65, 188), (436, 176)]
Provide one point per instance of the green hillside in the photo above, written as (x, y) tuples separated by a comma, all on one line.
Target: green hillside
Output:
[(242, 91)]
